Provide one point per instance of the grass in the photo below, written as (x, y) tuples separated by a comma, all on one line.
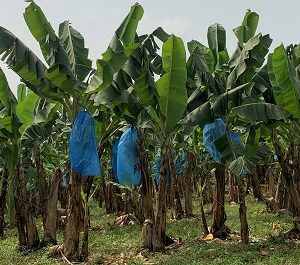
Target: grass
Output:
[(118, 245)]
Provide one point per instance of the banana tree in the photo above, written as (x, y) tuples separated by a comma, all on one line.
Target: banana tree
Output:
[(219, 83), (278, 112), (133, 88), (164, 118), (65, 78), (15, 118)]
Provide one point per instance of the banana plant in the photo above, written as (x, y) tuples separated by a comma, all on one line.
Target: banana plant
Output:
[(218, 83), (278, 113), (16, 116), (66, 77)]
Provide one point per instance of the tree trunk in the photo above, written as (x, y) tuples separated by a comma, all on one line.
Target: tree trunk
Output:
[(188, 191), (257, 174), (203, 217), (63, 191), (41, 179), (27, 231), (218, 228), (207, 191), (289, 163), (293, 196), (271, 183), (179, 213), (243, 217), (159, 230), (50, 216), (146, 235), (233, 189), (73, 225), (3, 192), (146, 179), (281, 193), (85, 239)]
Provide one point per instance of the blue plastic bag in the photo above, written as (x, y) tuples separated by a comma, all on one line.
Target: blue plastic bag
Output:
[(115, 158), (64, 182), (156, 169), (181, 163), (83, 149), (211, 133), (128, 171)]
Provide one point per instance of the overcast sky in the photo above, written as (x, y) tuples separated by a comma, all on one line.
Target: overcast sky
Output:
[(189, 19)]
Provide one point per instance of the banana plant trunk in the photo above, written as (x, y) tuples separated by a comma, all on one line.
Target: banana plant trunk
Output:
[(243, 216), (179, 213), (290, 173), (27, 230), (207, 193), (233, 188), (203, 217), (146, 179), (281, 196), (50, 216), (48, 197), (188, 191), (271, 183), (159, 229), (73, 226), (255, 179), (41, 178), (3, 193), (85, 241), (218, 228)]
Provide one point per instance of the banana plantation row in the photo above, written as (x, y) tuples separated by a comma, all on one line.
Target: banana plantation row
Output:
[(191, 114)]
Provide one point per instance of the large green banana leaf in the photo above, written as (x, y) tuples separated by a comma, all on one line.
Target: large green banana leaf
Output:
[(60, 72), (27, 65), (216, 36), (120, 48), (7, 98), (246, 63), (286, 87), (248, 28), (261, 112), (171, 86), (73, 43)]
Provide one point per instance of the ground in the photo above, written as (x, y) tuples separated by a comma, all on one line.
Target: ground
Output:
[(118, 245)]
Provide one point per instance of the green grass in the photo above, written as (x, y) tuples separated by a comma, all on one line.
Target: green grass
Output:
[(118, 245)]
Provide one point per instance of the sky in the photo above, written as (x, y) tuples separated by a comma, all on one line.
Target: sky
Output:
[(97, 20)]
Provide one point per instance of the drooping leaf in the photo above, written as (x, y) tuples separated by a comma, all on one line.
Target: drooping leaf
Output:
[(200, 116), (27, 65), (222, 104), (205, 54), (248, 60), (261, 112), (7, 98), (60, 72)]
